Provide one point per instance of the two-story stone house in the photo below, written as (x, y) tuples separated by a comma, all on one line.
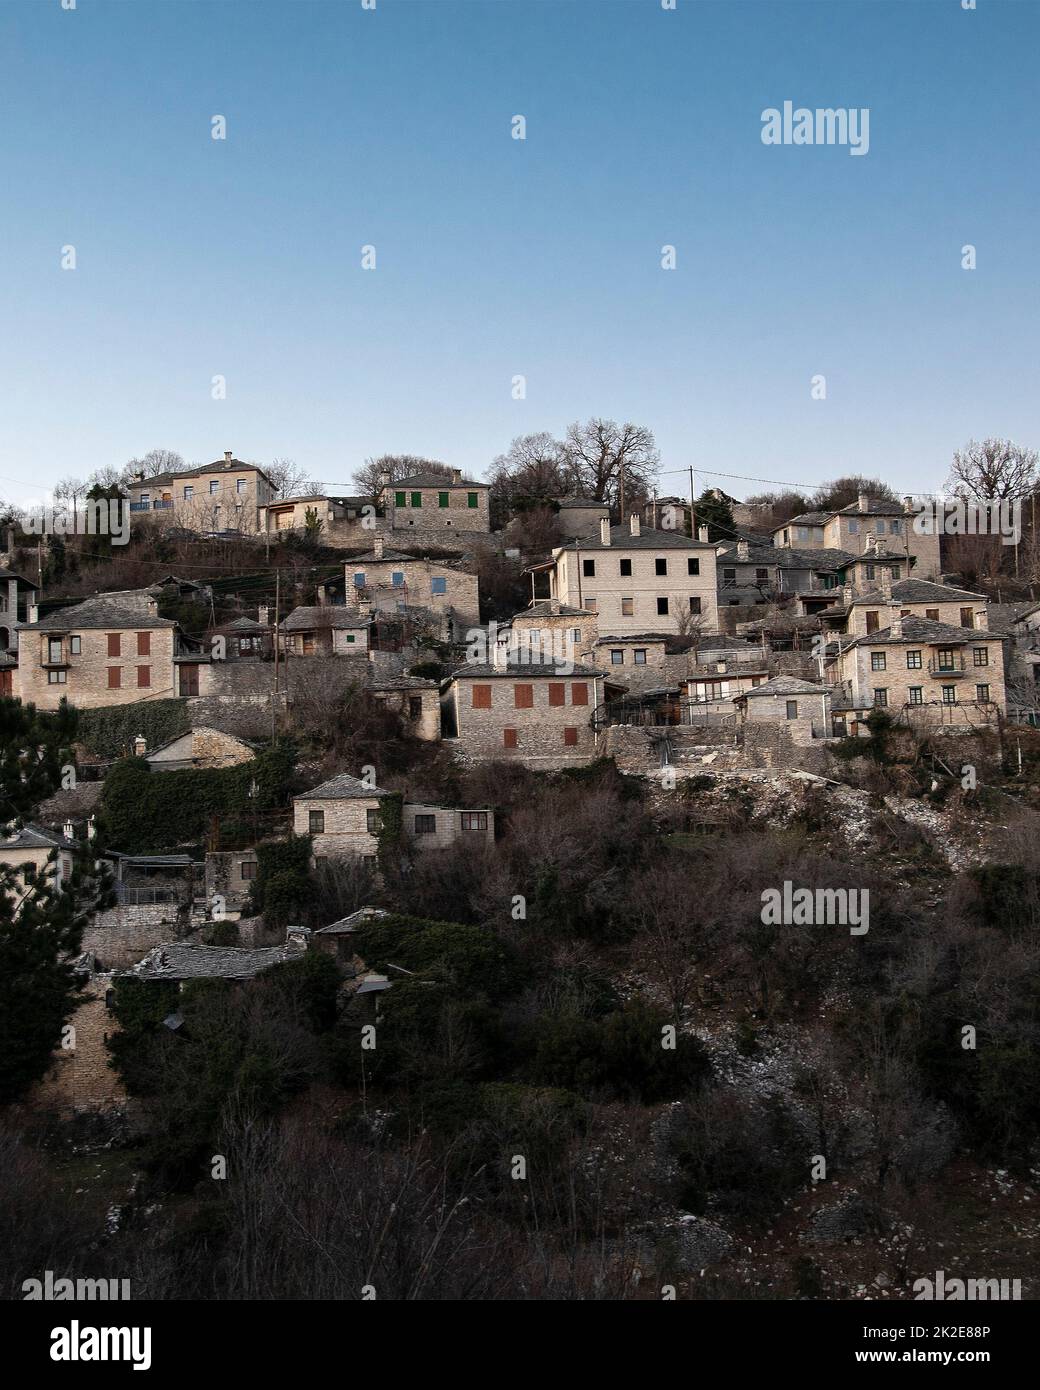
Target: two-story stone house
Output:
[(429, 502), (325, 630), (222, 496), (924, 670), (637, 580), (392, 582), (862, 523), (98, 653), (858, 615)]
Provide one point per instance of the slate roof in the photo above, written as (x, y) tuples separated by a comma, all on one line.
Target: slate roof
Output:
[(96, 613), (569, 503), (787, 557), (36, 837), (221, 465), (805, 519), (517, 670), (786, 685), (331, 616), (543, 608), (246, 624), (927, 631), (432, 480), (621, 538), (918, 591), (875, 507), (661, 637), (10, 574), (404, 683), (346, 925), (342, 787), (176, 960)]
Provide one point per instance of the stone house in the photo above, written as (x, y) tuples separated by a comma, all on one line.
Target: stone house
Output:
[(716, 690), (199, 747), (440, 827), (804, 530), (392, 582), (803, 706), (858, 615), (925, 671), (243, 638), (229, 877), (335, 514), (638, 580), (32, 847), (864, 522), (580, 517), (325, 630), (630, 655), (98, 653), (223, 496), (417, 701), (343, 818), (512, 710), (429, 502), (548, 630)]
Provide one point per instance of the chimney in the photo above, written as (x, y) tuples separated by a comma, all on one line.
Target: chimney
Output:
[(456, 475), (140, 746), (982, 618), (378, 547), (33, 613), (554, 607), (908, 504), (847, 595), (69, 830), (91, 827), (263, 615), (863, 502), (886, 582), (896, 626), (604, 530), (228, 456), (743, 550), (322, 598), (384, 479), (153, 607), (633, 524), (702, 534), (500, 656)]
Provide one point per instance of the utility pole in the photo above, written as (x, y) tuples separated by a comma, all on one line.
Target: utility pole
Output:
[(274, 693), (693, 514)]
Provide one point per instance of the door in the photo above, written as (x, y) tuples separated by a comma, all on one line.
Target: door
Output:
[(189, 680)]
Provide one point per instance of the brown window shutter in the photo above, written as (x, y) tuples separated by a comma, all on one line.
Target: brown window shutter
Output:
[(144, 644), (570, 736), (557, 693), (144, 677), (523, 696), (115, 676), (482, 697), (509, 738), (113, 644), (579, 693)]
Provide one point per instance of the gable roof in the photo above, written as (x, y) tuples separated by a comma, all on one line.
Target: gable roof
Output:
[(97, 612), (805, 519), (220, 466), (32, 836), (342, 787), (518, 670), (349, 924), (175, 960), (621, 538), (432, 480), (875, 507), (918, 591), (928, 631), (544, 608), (786, 685), (11, 574), (336, 616)]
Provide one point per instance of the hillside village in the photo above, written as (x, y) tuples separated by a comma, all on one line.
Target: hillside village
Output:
[(473, 792)]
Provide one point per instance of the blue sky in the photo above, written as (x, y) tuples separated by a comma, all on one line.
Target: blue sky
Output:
[(497, 257)]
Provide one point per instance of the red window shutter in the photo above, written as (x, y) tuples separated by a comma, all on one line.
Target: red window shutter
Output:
[(144, 677), (113, 644), (570, 736), (482, 697), (523, 696), (579, 693), (509, 738), (144, 644), (115, 675), (557, 693)]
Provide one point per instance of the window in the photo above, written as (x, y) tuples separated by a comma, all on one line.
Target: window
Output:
[(576, 635), (879, 527), (639, 657), (214, 486), (416, 499), (145, 497), (396, 578), (873, 621), (870, 571), (579, 693), (523, 696), (617, 658), (853, 528), (372, 823), (56, 677), (474, 820), (916, 695), (802, 532), (316, 822), (426, 825), (570, 737), (54, 649), (588, 569), (247, 869), (115, 677), (693, 566), (660, 566), (144, 644), (438, 585), (913, 661), (877, 661), (695, 605), (557, 693), (113, 644), (792, 709), (442, 499), (144, 677), (590, 603), (932, 614), (471, 499), (627, 608), (189, 492), (897, 572), (946, 659), (880, 696), (415, 707), (75, 646), (240, 484), (399, 499), (509, 738), (982, 694), (761, 575), (350, 637), (967, 617), (662, 607), (729, 575), (949, 694), (482, 697), (980, 656)]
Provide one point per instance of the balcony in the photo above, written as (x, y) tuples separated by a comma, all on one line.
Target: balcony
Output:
[(943, 666), (162, 507), (140, 506)]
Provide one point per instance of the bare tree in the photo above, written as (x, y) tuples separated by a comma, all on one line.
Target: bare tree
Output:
[(994, 468), (153, 463), (610, 462), (368, 479), (290, 479), (530, 473)]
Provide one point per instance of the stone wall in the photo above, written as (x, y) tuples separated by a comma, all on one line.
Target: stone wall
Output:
[(80, 1078), (539, 729), (120, 936)]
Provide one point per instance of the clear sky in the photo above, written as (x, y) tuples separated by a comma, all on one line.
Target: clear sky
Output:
[(497, 257)]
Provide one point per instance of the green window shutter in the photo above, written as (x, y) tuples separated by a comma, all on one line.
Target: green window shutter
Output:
[(416, 499), (399, 498), (471, 498), (442, 499)]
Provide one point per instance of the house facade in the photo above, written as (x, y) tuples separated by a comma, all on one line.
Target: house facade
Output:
[(325, 630), (429, 502), (223, 496), (391, 582), (32, 848)]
